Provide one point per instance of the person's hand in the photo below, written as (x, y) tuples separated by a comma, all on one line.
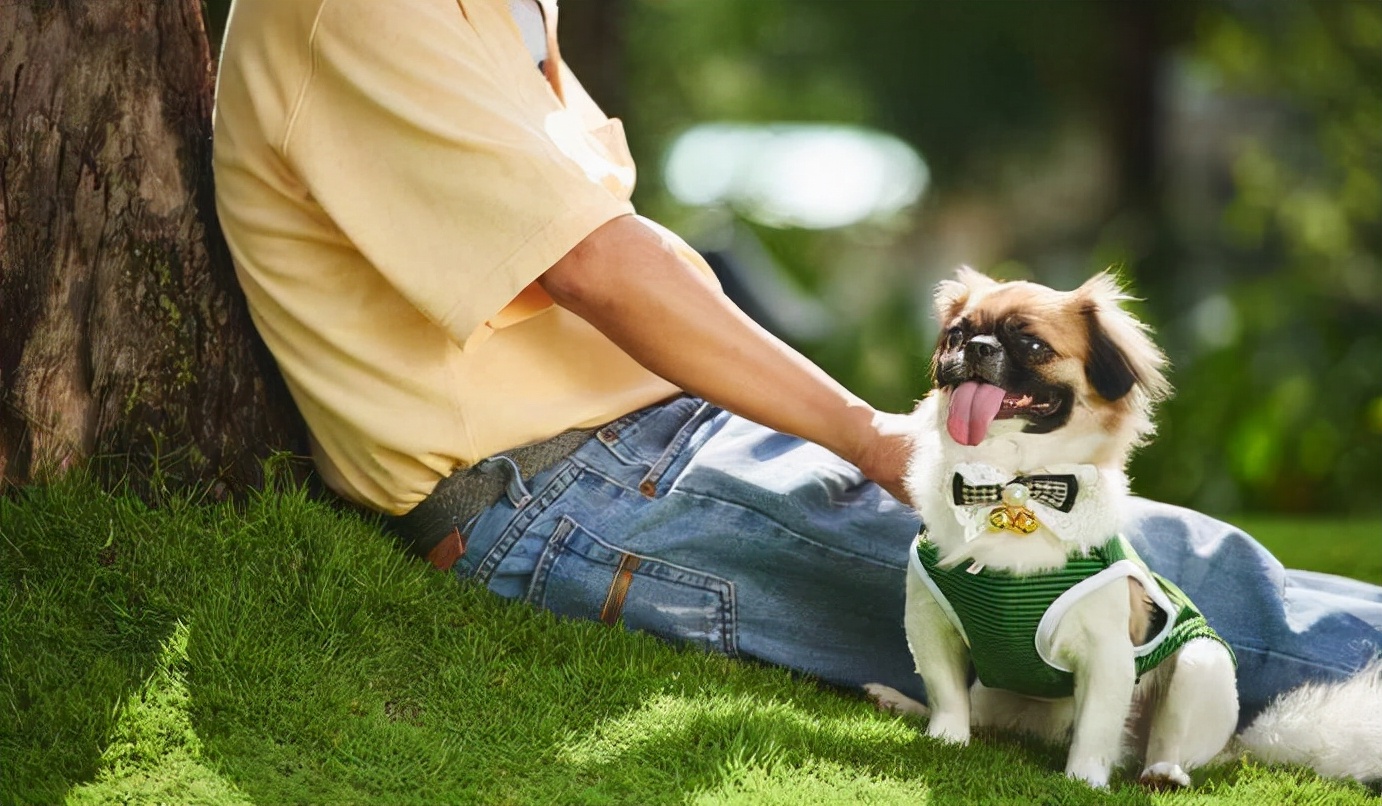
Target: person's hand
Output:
[(885, 450)]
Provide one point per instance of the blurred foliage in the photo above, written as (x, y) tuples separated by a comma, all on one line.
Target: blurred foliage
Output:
[(1280, 403), (1226, 153), (1238, 187)]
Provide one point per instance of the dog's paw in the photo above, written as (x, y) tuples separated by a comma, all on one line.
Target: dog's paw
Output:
[(1092, 771), (890, 700), (948, 728), (1164, 776)]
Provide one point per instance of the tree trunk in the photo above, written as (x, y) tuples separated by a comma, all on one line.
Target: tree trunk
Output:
[(123, 334)]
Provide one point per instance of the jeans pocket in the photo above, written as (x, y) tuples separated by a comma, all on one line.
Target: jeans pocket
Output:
[(581, 576), (659, 442)]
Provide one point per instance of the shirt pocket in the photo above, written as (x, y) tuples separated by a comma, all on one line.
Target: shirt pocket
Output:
[(582, 576)]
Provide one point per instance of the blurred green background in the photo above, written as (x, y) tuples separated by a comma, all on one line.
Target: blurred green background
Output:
[(1227, 156)]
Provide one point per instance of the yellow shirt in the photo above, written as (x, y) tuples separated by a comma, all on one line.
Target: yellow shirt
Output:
[(391, 178)]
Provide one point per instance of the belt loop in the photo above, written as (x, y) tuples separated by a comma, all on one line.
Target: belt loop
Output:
[(515, 489)]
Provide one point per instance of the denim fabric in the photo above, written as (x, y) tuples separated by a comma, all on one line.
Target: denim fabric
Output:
[(749, 542), (1286, 627)]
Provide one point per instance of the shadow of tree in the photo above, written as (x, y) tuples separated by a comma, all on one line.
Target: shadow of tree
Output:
[(81, 630)]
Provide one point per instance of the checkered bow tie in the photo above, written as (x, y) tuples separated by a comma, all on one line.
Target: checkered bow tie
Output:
[(1057, 492)]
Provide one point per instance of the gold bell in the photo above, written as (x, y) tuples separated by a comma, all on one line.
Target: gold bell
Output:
[(1019, 520), (1025, 521)]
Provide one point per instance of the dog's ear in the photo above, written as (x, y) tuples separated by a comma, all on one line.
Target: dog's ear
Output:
[(951, 295), (1121, 352), (950, 298)]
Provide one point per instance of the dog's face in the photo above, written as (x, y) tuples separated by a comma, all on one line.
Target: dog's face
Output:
[(1053, 376)]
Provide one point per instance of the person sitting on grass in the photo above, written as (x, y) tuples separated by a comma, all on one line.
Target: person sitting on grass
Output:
[(550, 395)]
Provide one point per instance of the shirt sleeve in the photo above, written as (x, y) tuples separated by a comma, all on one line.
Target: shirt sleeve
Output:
[(436, 147)]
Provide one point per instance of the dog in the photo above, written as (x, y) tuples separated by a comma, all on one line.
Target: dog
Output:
[(1039, 398)]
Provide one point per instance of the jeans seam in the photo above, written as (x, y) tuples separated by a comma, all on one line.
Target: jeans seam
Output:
[(565, 528), (1313, 663), (523, 518), (729, 617), (627, 429), (900, 565), (675, 446), (600, 474)]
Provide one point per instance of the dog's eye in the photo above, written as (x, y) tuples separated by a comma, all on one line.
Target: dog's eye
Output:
[(953, 337), (1034, 346)]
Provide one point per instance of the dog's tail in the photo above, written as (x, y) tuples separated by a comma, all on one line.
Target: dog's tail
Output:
[(1334, 728)]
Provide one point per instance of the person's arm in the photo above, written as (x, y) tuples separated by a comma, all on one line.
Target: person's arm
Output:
[(628, 282)]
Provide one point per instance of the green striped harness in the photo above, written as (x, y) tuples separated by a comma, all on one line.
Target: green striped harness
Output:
[(1009, 620)]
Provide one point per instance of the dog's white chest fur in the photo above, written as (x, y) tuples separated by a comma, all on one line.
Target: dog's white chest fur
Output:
[(963, 532)]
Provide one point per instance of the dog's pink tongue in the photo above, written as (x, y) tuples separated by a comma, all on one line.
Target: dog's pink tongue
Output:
[(973, 405)]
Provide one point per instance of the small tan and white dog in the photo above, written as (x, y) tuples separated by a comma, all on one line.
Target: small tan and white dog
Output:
[(1039, 396)]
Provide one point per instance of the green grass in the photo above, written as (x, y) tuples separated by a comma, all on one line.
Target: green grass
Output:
[(284, 652), (1349, 547)]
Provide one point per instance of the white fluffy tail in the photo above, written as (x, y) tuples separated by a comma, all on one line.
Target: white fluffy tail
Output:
[(1334, 728)]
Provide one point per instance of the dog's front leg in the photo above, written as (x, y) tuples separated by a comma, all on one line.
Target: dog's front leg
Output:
[(942, 660), (1092, 640), (1194, 714)]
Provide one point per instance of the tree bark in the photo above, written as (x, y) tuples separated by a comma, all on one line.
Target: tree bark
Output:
[(123, 334)]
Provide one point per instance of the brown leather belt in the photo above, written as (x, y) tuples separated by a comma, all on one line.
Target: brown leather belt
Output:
[(434, 528)]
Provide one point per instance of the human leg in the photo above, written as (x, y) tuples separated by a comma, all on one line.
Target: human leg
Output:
[(704, 528), (1286, 627), (713, 530)]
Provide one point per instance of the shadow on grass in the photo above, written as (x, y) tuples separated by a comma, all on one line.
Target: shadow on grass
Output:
[(81, 629)]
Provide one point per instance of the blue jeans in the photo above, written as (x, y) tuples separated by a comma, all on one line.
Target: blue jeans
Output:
[(704, 528)]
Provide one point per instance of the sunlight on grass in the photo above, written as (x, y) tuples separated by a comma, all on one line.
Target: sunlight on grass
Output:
[(770, 749), (815, 781), (724, 721), (154, 754)]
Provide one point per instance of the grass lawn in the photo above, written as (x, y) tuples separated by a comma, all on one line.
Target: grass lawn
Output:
[(284, 652), (1351, 548)]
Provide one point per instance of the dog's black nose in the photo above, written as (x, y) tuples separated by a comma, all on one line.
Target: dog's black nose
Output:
[(981, 347)]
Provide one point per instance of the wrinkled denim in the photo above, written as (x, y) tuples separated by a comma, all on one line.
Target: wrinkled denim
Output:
[(747, 542)]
